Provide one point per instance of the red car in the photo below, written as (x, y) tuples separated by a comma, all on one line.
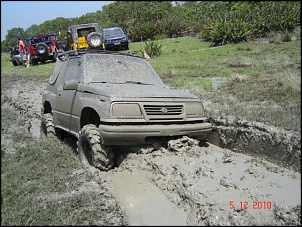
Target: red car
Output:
[(44, 47)]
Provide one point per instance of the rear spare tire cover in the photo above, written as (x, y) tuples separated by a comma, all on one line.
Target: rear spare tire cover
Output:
[(94, 39)]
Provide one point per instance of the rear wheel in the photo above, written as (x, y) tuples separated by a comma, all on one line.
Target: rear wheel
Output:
[(34, 62), (55, 56), (90, 150)]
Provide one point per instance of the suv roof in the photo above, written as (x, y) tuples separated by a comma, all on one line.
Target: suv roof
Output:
[(111, 28), (71, 53)]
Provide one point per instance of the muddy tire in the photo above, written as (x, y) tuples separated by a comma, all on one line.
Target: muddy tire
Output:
[(90, 150), (47, 125)]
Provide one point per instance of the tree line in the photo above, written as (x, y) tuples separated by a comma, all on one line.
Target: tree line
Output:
[(218, 22)]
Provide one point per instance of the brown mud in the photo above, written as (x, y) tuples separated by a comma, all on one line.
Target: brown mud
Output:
[(246, 174)]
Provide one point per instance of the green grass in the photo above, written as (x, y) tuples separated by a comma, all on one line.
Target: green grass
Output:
[(42, 71)]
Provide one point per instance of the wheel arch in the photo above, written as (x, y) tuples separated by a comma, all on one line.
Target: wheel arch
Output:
[(89, 116), (47, 107)]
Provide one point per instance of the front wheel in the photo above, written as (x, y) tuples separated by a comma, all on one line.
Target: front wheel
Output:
[(15, 63), (47, 125), (91, 151)]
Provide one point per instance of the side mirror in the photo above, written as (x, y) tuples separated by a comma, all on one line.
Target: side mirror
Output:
[(71, 85)]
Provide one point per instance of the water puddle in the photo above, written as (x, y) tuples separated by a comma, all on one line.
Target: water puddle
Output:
[(217, 81), (35, 128), (144, 203)]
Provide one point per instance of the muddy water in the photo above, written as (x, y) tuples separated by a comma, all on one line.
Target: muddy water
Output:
[(35, 129), (213, 186), (144, 203)]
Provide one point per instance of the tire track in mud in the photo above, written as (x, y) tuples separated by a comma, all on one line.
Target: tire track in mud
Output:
[(211, 185)]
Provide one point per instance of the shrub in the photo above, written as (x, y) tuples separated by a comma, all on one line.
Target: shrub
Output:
[(274, 37), (286, 37), (152, 48)]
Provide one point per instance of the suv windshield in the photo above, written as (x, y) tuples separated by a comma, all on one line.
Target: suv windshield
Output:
[(118, 69), (113, 32)]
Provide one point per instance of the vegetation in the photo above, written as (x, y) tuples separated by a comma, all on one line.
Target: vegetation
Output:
[(218, 22)]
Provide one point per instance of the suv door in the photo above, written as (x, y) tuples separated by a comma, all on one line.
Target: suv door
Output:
[(66, 98)]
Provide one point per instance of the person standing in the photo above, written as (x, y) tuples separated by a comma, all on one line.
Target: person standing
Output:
[(21, 46), (27, 62)]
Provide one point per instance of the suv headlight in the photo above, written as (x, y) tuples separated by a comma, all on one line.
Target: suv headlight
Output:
[(194, 109), (126, 110)]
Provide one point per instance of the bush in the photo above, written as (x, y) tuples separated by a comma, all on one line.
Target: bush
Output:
[(152, 48), (274, 37), (286, 37)]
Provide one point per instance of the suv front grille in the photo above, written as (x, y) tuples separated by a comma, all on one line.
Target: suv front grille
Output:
[(164, 112)]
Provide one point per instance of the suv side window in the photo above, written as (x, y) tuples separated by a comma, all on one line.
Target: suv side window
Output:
[(59, 68), (72, 70)]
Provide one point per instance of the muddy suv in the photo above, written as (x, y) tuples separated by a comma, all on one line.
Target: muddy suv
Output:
[(44, 47), (84, 36), (108, 98)]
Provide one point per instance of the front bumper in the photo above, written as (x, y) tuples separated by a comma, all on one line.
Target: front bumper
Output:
[(117, 45), (139, 134)]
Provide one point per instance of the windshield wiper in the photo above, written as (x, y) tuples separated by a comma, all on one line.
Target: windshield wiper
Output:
[(96, 82), (135, 82)]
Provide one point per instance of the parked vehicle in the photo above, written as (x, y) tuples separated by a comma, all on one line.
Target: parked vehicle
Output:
[(84, 36), (114, 38), (44, 47), (107, 98), (15, 57)]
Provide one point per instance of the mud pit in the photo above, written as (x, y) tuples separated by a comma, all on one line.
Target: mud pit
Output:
[(185, 182)]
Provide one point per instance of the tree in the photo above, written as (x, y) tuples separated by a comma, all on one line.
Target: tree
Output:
[(12, 36)]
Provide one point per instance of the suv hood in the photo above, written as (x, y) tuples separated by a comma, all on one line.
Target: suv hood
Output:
[(135, 91), (114, 37)]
